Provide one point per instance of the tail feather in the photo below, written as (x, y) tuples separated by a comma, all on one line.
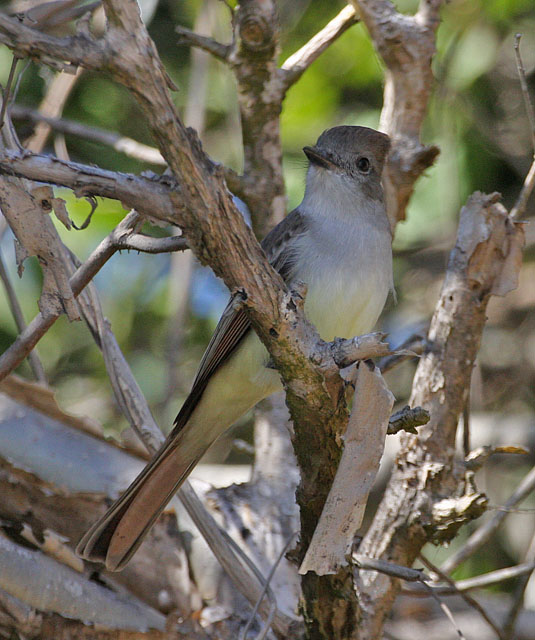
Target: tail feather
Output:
[(117, 535)]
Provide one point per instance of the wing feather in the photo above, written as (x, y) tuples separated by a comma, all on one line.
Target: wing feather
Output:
[(234, 323)]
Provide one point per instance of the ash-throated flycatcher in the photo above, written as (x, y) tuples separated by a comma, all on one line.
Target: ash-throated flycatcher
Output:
[(338, 241)]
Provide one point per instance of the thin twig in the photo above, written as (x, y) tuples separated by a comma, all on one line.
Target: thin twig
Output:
[(18, 316), (445, 609), (482, 535), (415, 345), (481, 581), (28, 338), (128, 146), (525, 91), (478, 457), (467, 598), (227, 554), (522, 201), (389, 568), (518, 594), (294, 66), (5, 93), (523, 197), (192, 39), (263, 593)]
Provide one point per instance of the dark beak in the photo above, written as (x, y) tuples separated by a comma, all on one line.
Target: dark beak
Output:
[(319, 157)]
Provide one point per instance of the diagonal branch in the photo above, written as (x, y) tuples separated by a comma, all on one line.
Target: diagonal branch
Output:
[(18, 316), (482, 535), (123, 144), (294, 66), (37, 328)]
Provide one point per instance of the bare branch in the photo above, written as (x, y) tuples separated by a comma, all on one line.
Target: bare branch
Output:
[(33, 358), (148, 244), (149, 197), (294, 66), (407, 46), (254, 61), (192, 39), (417, 505), (467, 598), (78, 50), (123, 144), (408, 419), (530, 111), (483, 534), (519, 591), (27, 340), (48, 586)]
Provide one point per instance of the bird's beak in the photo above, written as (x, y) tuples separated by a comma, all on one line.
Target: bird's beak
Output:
[(319, 157)]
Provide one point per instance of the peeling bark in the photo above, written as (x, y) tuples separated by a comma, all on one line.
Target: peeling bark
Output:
[(429, 495)]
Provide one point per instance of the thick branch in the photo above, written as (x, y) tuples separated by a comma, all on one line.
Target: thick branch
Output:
[(407, 46), (148, 197), (254, 60), (422, 501), (78, 50)]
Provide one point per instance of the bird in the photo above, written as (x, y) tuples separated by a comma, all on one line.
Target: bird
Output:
[(338, 241)]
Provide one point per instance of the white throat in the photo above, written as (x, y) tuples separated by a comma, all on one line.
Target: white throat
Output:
[(330, 195)]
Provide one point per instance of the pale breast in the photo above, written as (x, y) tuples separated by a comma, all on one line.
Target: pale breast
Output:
[(348, 279)]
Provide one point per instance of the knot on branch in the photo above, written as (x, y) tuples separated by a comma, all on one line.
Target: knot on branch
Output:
[(255, 27)]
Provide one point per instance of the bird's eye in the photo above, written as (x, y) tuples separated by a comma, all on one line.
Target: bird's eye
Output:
[(363, 164)]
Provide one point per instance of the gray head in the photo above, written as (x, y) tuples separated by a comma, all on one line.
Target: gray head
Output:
[(354, 154)]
